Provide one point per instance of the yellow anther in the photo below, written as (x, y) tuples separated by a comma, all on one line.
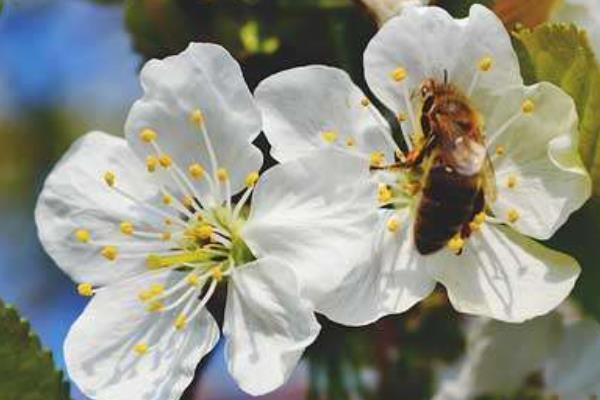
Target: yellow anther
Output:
[(147, 135), (486, 63), (165, 160), (167, 199), (196, 171), (251, 179), (145, 295), (474, 227), (456, 243), (512, 215), (222, 174), (528, 106), (151, 163), (157, 289), (168, 221), (500, 150), (192, 279), (511, 182), (401, 117), (329, 136), (85, 289), (180, 322), (197, 117), (110, 178), (350, 142), (399, 74), (140, 349), (155, 306), (384, 194), (204, 232), (393, 224), (365, 102), (377, 158), (479, 218), (109, 252), (126, 228), (166, 236), (217, 274), (187, 201), (82, 235)]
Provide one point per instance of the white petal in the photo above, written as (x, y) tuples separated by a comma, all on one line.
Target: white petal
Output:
[(504, 275), (267, 325), (99, 349), (540, 156), (75, 196), (317, 213), (426, 41), (301, 104), (203, 77), (390, 279), (574, 371), (492, 366)]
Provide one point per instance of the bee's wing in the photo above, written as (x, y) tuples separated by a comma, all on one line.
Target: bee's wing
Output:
[(467, 156)]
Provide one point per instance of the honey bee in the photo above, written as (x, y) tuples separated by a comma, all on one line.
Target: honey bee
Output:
[(458, 178)]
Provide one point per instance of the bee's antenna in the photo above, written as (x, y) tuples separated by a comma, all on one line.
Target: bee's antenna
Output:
[(445, 76)]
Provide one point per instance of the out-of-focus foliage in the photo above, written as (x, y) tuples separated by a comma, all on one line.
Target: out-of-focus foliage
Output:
[(561, 54), (26, 369), (528, 13), (460, 9), (393, 358)]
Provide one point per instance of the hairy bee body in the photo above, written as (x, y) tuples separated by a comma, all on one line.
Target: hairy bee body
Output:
[(455, 160)]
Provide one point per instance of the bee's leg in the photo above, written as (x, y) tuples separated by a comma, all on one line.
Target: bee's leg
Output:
[(416, 156)]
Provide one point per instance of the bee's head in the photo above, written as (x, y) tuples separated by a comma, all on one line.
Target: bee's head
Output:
[(427, 88)]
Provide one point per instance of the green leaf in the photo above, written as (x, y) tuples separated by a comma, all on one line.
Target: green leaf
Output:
[(27, 371), (561, 54)]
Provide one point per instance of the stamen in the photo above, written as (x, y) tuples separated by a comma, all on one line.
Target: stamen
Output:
[(401, 117), (187, 201), (151, 163), (528, 106), (165, 236), (147, 135), (141, 348), (82, 235), (329, 136), (210, 149), (196, 171), (165, 160), (384, 194), (399, 74), (155, 306), (365, 102), (393, 224), (456, 243), (485, 64), (157, 289), (500, 150), (377, 158), (350, 142), (480, 218), (197, 117), (205, 299), (167, 199), (192, 279), (109, 252), (511, 182), (217, 274), (512, 215), (204, 232), (126, 228), (180, 322), (222, 174), (85, 289), (251, 179), (110, 178)]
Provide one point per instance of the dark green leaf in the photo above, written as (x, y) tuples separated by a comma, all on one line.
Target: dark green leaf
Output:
[(27, 371)]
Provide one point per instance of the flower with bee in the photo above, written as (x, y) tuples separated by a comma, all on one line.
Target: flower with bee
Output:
[(488, 166), (149, 228)]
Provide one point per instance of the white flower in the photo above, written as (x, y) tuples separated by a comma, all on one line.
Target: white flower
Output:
[(585, 13), (531, 138), (500, 357), (383, 10), (148, 227)]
